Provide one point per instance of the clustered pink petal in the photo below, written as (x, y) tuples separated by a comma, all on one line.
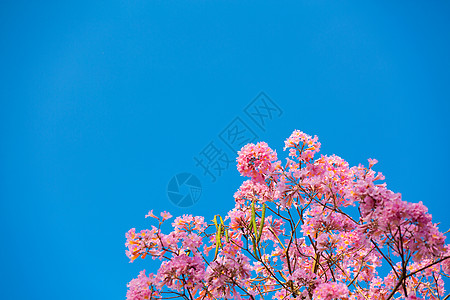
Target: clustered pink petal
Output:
[(181, 271), (446, 263), (189, 223), (230, 264), (251, 191), (138, 288), (256, 161), (302, 146), (331, 290)]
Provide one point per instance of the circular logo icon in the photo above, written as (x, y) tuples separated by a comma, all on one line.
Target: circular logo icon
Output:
[(184, 189)]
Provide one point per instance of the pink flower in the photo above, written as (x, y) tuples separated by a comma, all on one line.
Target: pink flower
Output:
[(372, 162), (446, 263), (150, 214), (231, 265), (256, 161), (189, 223), (302, 145), (181, 270), (165, 216), (330, 291), (138, 288), (252, 190)]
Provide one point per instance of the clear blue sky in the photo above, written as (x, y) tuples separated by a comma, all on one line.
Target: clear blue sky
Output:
[(104, 101)]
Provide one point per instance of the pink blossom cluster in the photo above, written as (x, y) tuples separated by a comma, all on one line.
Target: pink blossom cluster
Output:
[(256, 161), (230, 265), (138, 288), (331, 290), (316, 228), (302, 146)]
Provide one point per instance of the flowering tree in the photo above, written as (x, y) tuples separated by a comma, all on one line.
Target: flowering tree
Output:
[(311, 229)]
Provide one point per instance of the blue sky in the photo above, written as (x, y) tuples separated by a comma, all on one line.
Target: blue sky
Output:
[(103, 102)]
